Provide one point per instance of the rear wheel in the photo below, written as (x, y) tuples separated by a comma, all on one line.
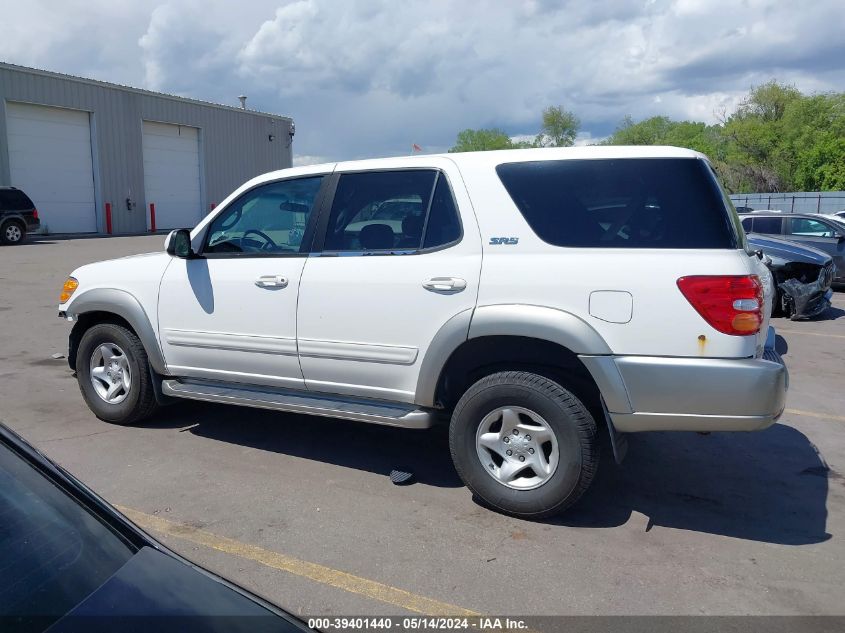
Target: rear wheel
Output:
[(12, 232), (114, 374), (523, 444)]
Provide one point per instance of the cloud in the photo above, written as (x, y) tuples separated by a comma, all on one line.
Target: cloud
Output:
[(370, 77)]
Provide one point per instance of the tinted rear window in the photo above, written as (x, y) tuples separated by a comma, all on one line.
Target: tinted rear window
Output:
[(621, 203), (14, 200)]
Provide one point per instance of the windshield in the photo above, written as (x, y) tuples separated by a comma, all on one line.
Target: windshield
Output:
[(53, 553)]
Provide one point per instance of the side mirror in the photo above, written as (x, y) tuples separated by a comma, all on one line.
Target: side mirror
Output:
[(178, 244), (840, 238)]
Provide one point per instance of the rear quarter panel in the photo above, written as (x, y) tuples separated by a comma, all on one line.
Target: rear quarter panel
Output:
[(524, 269)]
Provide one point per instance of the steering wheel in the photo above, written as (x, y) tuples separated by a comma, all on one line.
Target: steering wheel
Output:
[(268, 245)]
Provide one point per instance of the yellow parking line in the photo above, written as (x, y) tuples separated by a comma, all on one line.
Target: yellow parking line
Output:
[(813, 414), (312, 571), (779, 330)]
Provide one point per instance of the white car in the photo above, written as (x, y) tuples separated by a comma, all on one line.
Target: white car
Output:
[(528, 298)]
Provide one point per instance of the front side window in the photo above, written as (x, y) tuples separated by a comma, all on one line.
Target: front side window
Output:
[(267, 220), (398, 210), (622, 203), (809, 228)]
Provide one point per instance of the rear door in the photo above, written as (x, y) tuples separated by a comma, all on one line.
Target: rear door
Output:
[(400, 255)]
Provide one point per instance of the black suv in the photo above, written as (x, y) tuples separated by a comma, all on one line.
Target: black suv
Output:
[(18, 216)]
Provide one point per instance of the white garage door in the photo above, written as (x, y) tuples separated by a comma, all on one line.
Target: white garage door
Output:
[(172, 174), (50, 158)]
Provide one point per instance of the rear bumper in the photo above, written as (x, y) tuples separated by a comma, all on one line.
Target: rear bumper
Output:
[(647, 393)]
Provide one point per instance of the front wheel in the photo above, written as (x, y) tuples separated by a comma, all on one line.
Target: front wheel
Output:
[(114, 374), (523, 444)]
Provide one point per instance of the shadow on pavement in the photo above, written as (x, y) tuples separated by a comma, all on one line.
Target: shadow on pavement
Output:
[(366, 447), (831, 314), (770, 486)]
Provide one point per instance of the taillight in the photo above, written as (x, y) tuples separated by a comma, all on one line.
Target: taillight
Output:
[(732, 304), (35, 213)]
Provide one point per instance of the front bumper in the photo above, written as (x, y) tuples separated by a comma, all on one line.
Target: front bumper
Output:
[(807, 300), (649, 393)]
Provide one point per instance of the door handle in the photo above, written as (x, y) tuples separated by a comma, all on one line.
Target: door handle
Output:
[(445, 284), (272, 281)]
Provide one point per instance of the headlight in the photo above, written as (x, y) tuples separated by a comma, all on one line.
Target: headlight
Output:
[(68, 289)]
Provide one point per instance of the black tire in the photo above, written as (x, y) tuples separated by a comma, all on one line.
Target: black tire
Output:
[(139, 402), (571, 423), (10, 237)]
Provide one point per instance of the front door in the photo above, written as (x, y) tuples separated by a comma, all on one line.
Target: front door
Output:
[(400, 256), (821, 235), (230, 314)]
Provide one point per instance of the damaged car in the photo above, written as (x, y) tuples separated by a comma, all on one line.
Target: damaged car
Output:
[(803, 276)]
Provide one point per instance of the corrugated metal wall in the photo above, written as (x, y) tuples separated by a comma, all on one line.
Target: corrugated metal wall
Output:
[(234, 143)]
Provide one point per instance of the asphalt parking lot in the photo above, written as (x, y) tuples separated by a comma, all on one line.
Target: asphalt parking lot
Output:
[(301, 510)]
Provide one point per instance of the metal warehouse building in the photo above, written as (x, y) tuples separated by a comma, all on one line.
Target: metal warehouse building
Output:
[(97, 157)]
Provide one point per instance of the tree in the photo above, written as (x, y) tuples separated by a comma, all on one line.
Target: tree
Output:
[(661, 130), (822, 166), (768, 101), (559, 128), (482, 140), (777, 139)]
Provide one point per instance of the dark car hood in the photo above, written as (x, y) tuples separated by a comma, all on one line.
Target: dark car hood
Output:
[(788, 251), (154, 591)]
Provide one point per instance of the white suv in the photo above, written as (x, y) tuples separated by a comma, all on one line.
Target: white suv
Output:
[(519, 295)]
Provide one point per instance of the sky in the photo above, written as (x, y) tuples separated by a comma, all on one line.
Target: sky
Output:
[(365, 78)]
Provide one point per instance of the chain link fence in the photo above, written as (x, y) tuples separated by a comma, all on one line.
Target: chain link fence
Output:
[(793, 202)]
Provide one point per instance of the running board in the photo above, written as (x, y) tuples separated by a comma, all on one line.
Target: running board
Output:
[(358, 409)]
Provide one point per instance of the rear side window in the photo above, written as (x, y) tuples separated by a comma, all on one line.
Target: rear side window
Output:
[(14, 200), (770, 226), (390, 211), (621, 203)]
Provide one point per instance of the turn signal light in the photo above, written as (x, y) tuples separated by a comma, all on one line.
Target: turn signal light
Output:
[(68, 289), (731, 304)]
